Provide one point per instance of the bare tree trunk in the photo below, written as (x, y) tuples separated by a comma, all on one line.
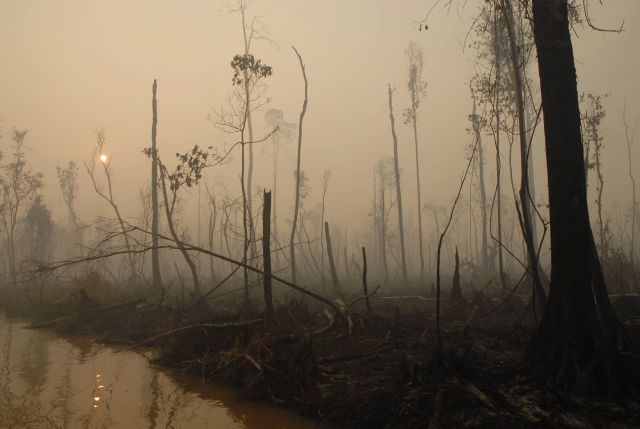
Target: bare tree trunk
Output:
[(415, 138), (539, 295), (483, 193), (247, 45), (297, 201), (456, 291), (245, 216), (503, 281), (213, 216), (266, 256), (364, 279), (347, 273), (155, 258), (403, 258), (322, 264), (597, 153), (630, 140), (332, 266), (383, 225), (274, 191)]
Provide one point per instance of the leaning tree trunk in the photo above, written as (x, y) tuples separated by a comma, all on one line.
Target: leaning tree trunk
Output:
[(403, 258), (577, 344), (174, 235), (332, 265), (296, 207)]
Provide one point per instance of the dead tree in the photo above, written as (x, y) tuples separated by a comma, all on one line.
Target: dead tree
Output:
[(325, 185), (365, 288), (246, 68), (441, 241), (108, 195), (630, 139), (169, 207), (456, 291), (403, 258), (211, 226), (251, 31), (274, 119), (417, 90), (155, 258), (266, 256), (593, 115), (578, 343), (296, 207), (525, 212), (18, 185), (332, 266), (498, 191), (475, 123)]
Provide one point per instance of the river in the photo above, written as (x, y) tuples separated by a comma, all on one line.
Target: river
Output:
[(48, 381)]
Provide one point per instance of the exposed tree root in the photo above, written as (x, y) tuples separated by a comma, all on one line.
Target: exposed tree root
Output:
[(607, 374)]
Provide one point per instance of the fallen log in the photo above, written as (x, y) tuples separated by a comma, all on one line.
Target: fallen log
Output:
[(199, 325)]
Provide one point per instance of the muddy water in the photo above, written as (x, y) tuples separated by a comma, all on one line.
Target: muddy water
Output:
[(51, 382)]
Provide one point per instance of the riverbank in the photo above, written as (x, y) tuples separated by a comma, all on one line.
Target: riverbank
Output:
[(51, 381), (360, 368)]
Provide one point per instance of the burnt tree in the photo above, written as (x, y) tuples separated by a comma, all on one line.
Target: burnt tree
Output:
[(579, 342)]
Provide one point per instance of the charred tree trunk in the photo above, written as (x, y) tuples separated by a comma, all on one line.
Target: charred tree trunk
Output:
[(383, 224), (155, 258), (456, 291), (296, 207), (365, 288), (266, 256), (332, 265), (419, 196), (403, 259), (578, 342)]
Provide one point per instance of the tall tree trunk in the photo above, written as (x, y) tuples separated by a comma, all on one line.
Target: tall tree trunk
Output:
[(483, 192), (420, 244), (503, 280), (365, 288), (539, 296), (155, 258), (274, 196), (576, 346), (296, 207), (600, 188), (633, 185), (266, 256), (383, 224), (247, 45), (403, 258)]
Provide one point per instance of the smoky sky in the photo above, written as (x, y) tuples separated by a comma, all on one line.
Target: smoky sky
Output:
[(68, 67)]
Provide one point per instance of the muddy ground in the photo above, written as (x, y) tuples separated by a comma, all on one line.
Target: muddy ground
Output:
[(371, 369)]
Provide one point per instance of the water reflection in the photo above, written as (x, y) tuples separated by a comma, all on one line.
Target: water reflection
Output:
[(50, 382)]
